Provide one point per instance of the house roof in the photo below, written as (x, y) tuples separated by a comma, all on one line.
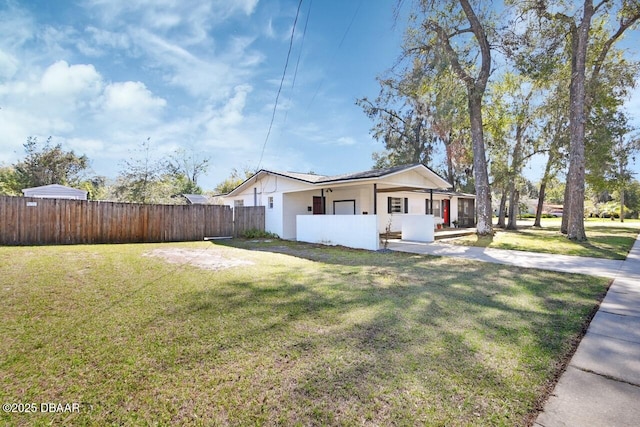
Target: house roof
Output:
[(343, 178), (196, 199), (53, 187), (55, 191)]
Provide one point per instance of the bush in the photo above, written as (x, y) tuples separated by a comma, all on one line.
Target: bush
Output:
[(254, 233)]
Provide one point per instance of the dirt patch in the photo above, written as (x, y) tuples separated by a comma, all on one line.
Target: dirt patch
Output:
[(207, 259)]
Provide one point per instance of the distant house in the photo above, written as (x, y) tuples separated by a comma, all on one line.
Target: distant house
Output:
[(196, 199), (352, 208), (55, 191)]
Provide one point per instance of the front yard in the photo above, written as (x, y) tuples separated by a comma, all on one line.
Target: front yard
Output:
[(606, 239), (280, 333)]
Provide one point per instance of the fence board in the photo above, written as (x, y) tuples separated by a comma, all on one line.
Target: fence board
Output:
[(248, 218), (58, 221)]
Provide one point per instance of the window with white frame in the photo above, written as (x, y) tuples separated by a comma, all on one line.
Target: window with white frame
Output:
[(238, 203), (270, 202)]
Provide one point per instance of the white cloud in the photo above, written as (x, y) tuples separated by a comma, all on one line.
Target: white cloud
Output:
[(210, 76), (232, 113), (193, 17), (62, 80), (97, 42), (346, 140), (131, 98), (8, 65)]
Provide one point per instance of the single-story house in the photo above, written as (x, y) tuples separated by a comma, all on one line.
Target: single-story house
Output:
[(338, 209), (55, 191)]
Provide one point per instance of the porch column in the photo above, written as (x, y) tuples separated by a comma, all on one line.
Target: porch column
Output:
[(431, 201), (375, 199), (324, 205)]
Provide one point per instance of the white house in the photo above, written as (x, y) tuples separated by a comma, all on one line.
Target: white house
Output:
[(353, 208), (55, 191)]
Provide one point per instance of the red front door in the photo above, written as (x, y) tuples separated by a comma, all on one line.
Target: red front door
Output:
[(445, 212)]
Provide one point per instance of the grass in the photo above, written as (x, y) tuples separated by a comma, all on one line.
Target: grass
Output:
[(305, 335), (606, 239)]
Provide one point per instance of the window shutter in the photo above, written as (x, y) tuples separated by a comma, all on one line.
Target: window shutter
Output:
[(406, 205), (388, 204)]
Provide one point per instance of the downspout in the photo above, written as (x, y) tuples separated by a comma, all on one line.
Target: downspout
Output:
[(255, 196), (324, 208)]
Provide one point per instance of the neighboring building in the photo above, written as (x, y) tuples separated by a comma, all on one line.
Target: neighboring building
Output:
[(391, 194), (196, 199), (55, 191)]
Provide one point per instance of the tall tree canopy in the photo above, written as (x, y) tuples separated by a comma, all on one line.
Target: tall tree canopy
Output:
[(46, 164)]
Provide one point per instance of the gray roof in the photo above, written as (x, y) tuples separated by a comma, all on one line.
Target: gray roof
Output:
[(319, 179), (314, 179), (55, 191), (197, 199)]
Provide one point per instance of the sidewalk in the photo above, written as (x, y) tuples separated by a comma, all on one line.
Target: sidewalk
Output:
[(601, 385)]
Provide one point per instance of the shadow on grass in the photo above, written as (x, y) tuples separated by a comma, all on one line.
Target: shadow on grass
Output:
[(393, 338)]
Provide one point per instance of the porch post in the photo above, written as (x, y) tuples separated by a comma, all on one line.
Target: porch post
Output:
[(431, 201), (324, 207), (375, 199)]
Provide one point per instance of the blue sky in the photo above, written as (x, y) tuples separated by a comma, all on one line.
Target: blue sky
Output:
[(102, 76)]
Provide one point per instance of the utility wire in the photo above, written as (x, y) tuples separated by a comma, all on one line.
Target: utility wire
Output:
[(284, 73), (295, 71), (335, 53)]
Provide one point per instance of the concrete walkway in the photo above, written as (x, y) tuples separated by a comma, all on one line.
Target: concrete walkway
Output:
[(601, 385)]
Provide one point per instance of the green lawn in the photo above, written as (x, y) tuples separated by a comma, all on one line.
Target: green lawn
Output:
[(606, 239), (311, 336)]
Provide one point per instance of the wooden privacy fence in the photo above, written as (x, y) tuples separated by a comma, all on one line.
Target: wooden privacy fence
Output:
[(26, 221), (248, 218)]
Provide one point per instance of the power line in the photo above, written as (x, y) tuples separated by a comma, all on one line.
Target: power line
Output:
[(295, 71), (335, 52), (284, 73)]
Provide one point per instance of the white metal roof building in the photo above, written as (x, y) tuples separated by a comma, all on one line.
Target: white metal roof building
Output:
[(55, 191)]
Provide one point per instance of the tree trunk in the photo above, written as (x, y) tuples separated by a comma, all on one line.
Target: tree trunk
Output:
[(621, 178), (513, 208), (448, 151), (564, 225), (483, 193), (501, 210), (574, 209), (514, 211), (515, 172), (622, 204), (543, 187)]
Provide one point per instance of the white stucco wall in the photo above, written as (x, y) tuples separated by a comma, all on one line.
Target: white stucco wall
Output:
[(418, 228), (294, 205), (354, 231)]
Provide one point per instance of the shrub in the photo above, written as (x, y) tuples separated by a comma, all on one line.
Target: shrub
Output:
[(254, 233)]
